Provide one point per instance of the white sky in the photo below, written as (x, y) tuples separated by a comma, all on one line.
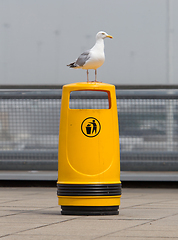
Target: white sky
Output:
[(38, 38)]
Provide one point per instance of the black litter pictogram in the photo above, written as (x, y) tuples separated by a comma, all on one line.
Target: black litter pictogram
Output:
[(90, 127)]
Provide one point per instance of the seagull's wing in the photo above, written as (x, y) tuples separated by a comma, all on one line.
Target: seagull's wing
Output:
[(81, 60)]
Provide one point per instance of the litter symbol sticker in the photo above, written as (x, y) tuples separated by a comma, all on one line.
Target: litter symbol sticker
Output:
[(91, 127)]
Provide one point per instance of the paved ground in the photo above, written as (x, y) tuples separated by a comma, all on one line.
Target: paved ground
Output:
[(33, 213)]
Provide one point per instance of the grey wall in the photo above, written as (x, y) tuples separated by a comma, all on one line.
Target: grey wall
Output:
[(39, 37)]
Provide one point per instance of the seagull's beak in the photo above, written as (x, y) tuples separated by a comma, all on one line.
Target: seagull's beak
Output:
[(109, 36)]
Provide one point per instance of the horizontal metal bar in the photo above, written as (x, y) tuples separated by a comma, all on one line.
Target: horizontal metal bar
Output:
[(57, 95), (149, 156), (125, 176), (30, 95), (28, 165), (129, 161), (29, 155), (163, 96), (149, 165), (132, 87), (52, 165), (31, 86), (53, 155), (139, 87)]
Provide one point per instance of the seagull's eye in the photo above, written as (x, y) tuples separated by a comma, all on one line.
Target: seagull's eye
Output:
[(103, 33)]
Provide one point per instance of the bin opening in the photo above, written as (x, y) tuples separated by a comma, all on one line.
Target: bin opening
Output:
[(90, 100)]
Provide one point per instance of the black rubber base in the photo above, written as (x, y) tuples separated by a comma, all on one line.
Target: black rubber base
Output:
[(89, 210)]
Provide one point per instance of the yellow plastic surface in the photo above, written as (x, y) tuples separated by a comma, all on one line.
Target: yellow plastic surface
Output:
[(85, 158), (89, 201)]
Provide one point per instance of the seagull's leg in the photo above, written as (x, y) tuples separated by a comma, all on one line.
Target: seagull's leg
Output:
[(95, 75), (87, 76)]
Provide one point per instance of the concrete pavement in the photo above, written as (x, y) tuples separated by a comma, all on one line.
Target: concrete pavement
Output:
[(33, 213)]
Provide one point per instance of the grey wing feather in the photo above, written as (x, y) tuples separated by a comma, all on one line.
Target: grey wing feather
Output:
[(83, 58)]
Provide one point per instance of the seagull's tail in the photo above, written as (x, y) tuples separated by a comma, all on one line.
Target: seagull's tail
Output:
[(72, 65)]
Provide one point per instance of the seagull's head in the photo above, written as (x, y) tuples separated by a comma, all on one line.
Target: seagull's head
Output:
[(102, 35)]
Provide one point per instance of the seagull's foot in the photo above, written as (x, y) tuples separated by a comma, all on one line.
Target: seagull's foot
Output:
[(97, 81), (94, 82)]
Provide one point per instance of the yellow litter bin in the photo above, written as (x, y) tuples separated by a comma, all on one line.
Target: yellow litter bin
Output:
[(89, 155)]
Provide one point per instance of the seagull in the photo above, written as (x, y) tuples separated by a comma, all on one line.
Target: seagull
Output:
[(93, 58)]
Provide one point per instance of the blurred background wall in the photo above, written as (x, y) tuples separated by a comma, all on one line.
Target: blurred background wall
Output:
[(38, 38)]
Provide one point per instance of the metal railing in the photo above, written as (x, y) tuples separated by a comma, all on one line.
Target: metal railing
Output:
[(148, 123)]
